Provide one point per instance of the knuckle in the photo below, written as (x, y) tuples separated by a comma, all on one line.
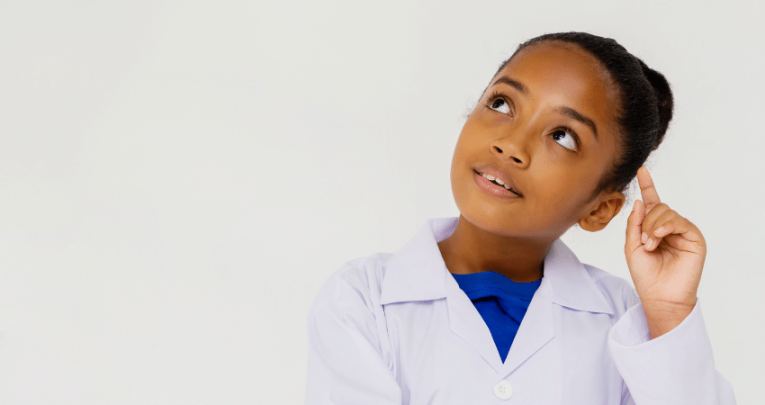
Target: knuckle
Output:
[(666, 215)]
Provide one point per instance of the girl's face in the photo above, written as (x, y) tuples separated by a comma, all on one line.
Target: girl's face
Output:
[(545, 128)]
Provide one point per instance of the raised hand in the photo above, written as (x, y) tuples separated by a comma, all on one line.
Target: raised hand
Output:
[(665, 255)]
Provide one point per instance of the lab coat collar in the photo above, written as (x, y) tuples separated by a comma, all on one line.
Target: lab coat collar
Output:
[(417, 272)]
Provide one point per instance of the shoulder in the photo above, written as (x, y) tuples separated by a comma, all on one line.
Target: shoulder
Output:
[(617, 291), (357, 282)]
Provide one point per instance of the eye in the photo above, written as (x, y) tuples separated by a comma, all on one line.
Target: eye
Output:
[(500, 105), (566, 138)]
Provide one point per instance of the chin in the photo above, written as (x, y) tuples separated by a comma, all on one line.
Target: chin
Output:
[(509, 224), (491, 222)]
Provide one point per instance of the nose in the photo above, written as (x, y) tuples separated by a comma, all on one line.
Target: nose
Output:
[(513, 147)]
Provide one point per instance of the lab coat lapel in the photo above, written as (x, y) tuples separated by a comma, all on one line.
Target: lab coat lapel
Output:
[(536, 330), (417, 273), (467, 323), (566, 283)]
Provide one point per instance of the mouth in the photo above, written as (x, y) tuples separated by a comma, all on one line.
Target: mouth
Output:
[(496, 182)]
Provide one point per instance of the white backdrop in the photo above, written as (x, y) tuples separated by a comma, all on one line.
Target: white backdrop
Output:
[(178, 178)]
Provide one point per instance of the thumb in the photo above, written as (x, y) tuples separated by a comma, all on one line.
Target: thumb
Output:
[(634, 228)]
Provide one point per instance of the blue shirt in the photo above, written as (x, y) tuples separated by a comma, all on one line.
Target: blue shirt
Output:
[(501, 302)]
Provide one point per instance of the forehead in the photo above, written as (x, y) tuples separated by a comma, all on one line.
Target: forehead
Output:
[(565, 74)]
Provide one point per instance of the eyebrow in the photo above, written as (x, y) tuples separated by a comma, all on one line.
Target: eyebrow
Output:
[(567, 111), (572, 113), (512, 83)]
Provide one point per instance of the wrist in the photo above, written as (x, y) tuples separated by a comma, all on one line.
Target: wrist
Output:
[(663, 316)]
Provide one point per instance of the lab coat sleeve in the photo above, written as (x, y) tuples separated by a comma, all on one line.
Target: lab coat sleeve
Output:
[(345, 362), (675, 368)]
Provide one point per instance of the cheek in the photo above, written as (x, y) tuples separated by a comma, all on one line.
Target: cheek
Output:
[(457, 171), (567, 188), (562, 190), (456, 159)]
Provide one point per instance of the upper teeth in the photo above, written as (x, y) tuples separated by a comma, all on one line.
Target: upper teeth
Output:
[(496, 180)]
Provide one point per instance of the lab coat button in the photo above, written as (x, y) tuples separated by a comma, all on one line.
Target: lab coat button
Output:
[(503, 390)]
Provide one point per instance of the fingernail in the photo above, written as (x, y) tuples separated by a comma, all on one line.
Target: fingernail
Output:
[(658, 231), (644, 238)]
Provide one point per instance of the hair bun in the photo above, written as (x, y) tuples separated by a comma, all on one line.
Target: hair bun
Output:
[(664, 100)]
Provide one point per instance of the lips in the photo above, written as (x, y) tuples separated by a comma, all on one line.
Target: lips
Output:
[(497, 181)]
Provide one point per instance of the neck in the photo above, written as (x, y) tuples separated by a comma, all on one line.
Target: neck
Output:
[(470, 250)]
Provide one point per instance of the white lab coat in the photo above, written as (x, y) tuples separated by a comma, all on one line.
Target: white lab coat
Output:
[(397, 329)]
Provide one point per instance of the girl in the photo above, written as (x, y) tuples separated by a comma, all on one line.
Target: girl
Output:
[(492, 306)]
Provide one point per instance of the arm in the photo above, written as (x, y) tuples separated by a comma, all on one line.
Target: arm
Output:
[(675, 368), (660, 346), (345, 364)]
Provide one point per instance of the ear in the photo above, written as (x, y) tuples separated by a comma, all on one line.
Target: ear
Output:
[(605, 208)]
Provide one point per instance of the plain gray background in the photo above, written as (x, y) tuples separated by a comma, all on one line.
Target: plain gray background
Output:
[(178, 178)]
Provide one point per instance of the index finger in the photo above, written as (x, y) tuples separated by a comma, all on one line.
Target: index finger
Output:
[(650, 196)]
